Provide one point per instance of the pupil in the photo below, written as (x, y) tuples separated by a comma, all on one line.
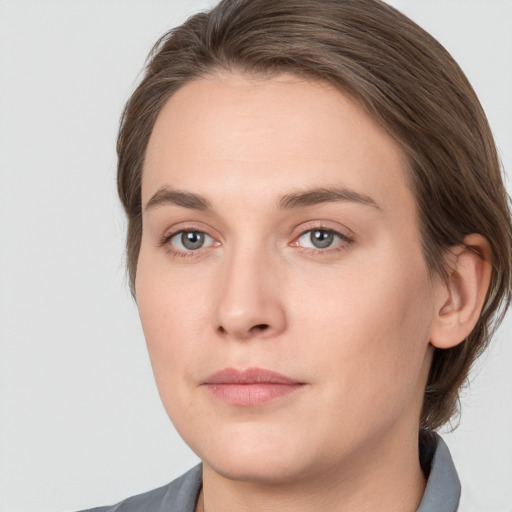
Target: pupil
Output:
[(321, 239), (192, 239)]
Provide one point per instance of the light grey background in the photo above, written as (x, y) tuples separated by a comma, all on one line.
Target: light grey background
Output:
[(81, 423)]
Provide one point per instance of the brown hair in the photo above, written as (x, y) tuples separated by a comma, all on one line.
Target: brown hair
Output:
[(407, 82)]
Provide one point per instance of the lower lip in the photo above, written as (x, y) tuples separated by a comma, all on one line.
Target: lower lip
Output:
[(251, 394)]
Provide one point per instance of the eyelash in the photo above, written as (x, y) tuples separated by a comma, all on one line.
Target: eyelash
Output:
[(344, 241), (340, 246), (165, 243)]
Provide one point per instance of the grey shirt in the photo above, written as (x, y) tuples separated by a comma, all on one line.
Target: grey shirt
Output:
[(442, 493)]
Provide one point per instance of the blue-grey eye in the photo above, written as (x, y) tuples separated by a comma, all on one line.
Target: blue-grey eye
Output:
[(319, 239), (190, 240)]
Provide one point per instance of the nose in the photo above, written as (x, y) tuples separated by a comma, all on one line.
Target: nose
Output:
[(249, 301)]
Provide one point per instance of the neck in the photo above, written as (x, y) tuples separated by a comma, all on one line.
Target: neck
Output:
[(386, 477)]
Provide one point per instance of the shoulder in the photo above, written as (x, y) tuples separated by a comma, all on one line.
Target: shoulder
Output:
[(178, 496)]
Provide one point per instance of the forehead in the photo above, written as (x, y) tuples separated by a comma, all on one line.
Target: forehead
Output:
[(258, 138)]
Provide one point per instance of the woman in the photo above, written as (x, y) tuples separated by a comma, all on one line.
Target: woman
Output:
[(319, 244)]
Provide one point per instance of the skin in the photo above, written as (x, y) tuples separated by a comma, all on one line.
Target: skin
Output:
[(354, 322)]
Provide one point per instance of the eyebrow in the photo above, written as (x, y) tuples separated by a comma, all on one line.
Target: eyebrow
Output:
[(303, 199), (168, 196), (325, 195)]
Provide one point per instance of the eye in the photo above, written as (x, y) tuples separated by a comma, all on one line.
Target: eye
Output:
[(321, 239), (186, 241)]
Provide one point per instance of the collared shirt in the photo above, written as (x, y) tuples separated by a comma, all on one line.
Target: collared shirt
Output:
[(442, 493)]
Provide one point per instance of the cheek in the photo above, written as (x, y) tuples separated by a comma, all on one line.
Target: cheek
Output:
[(172, 313), (372, 330)]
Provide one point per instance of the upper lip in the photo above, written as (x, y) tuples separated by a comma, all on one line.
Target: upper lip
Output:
[(249, 376)]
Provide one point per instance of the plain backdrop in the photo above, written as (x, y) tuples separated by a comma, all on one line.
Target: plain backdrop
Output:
[(81, 423)]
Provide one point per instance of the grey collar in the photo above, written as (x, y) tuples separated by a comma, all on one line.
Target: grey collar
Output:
[(443, 486)]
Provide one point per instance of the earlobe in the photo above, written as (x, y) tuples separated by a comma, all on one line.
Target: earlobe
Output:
[(462, 296)]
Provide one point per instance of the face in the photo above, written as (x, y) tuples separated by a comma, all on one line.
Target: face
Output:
[(282, 289)]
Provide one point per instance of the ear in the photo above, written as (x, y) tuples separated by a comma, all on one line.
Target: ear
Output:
[(460, 300)]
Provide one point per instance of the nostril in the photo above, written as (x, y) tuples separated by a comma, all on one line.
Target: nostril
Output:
[(243, 332), (260, 327)]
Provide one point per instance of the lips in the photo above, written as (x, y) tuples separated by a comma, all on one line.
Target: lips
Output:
[(253, 386)]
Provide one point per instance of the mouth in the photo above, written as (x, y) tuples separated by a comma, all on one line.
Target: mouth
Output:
[(253, 386)]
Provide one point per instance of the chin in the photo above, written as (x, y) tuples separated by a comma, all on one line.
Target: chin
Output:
[(260, 457), (258, 468)]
